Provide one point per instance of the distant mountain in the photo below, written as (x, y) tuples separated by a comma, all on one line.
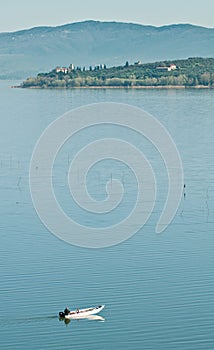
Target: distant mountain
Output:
[(40, 49)]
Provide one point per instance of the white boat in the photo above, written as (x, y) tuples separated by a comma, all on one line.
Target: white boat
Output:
[(80, 313)]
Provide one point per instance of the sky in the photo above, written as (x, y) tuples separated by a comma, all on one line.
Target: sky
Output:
[(22, 14)]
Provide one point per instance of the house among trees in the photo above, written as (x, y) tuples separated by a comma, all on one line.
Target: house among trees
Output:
[(167, 68), (72, 67), (138, 63), (172, 67), (62, 70)]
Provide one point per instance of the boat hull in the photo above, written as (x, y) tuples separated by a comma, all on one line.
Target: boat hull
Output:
[(82, 313)]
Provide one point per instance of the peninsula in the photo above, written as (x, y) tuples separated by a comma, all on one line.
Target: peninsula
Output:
[(191, 72)]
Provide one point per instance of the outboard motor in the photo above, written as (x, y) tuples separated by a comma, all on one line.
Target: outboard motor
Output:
[(66, 311)]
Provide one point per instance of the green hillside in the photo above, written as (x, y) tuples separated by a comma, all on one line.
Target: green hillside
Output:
[(187, 73)]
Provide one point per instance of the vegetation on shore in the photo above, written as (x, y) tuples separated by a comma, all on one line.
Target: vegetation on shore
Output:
[(191, 72)]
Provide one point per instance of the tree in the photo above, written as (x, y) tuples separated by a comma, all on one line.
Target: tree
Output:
[(205, 79)]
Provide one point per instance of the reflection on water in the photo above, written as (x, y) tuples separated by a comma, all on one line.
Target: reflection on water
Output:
[(80, 318)]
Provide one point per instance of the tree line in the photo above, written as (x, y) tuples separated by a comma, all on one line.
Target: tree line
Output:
[(189, 73)]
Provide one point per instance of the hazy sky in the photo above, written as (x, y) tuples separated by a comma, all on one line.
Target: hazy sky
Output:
[(19, 14)]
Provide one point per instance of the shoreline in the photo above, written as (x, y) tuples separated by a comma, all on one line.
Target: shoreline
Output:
[(117, 87)]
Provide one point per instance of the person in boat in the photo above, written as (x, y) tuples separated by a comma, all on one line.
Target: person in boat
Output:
[(66, 311), (77, 311)]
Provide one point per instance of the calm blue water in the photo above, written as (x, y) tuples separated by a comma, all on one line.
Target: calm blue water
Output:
[(158, 289)]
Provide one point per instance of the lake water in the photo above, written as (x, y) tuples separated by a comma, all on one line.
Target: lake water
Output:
[(158, 289)]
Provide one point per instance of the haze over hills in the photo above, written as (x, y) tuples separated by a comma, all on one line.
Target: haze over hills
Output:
[(40, 49)]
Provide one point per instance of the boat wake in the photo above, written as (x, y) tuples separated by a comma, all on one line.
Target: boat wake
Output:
[(24, 320)]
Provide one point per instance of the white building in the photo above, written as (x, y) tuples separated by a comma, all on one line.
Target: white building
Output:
[(62, 70), (172, 66), (169, 68)]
